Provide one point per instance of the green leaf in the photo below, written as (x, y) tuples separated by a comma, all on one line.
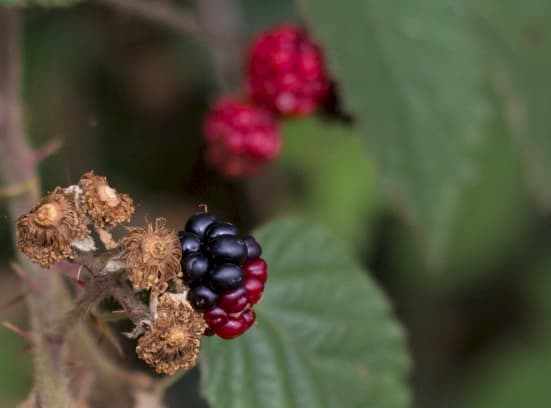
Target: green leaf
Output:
[(411, 74), (519, 51), (325, 336), (485, 235), (330, 193)]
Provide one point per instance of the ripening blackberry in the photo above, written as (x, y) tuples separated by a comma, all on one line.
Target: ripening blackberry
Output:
[(224, 273), (240, 138), (286, 72)]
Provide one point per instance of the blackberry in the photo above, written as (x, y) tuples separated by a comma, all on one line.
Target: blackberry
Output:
[(218, 229), (253, 248), (195, 267), (228, 248), (286, 71), (226, 277), (198, 223), (234, 301), (225, 274), (190, 243), (240, 138), (202, 298)]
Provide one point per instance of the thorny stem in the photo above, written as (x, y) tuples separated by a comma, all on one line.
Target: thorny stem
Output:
[(17, 167), (19, 178), (134, 308), (94, 294)]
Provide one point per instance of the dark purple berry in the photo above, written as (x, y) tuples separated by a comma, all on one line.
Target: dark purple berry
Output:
[(195, 267), (198, 223), (226, 277), (202, 298), (218, 229), (190, 242), (228, 248), (253, 248)]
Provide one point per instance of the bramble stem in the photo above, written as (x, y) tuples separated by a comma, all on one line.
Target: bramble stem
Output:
[(17, 167), (94, 294)]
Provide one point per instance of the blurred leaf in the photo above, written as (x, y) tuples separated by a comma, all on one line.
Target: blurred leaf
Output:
[(518, 44), (492, 221), (410, 73), (44, 3), (325, 336), (517, 376), (331, 194)]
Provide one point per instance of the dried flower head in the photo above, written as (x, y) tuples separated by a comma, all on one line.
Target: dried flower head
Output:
[(102, 203), (153, 256), (45, 233), (172, 343)]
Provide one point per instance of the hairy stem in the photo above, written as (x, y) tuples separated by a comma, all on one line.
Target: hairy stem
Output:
[(135, 309), (18, 167), (94, 294)]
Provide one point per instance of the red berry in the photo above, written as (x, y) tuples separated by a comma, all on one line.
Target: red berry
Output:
[(234, 301), (286, 72), (240, 138), (257, 269), (248, 317), (216, 317), (254, 288), (232, 328)]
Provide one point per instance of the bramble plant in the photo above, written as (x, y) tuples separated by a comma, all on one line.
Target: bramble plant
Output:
[(208, 267), (181, 290), (330, 139)]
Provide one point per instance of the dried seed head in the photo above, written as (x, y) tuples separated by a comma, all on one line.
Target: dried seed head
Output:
[(45, 233), (173, 341), (102, 203), (153, 256)]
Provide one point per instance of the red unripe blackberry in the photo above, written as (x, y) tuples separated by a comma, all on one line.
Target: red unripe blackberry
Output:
[(248, 317), (236, 326), (232, 328), (216, 317), (286, 72), (240, 138), (234, 301), (257, 269), (254, 288)]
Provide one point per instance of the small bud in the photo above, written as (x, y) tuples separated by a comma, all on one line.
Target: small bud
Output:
[(46, 232), (102, 203), (172, 343), (153, 256)]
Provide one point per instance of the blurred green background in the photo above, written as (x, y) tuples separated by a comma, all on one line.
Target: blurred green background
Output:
[(446, 202)]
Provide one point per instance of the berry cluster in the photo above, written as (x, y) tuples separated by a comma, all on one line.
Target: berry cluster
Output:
[(286, 72), (224, 272), (286, 75)]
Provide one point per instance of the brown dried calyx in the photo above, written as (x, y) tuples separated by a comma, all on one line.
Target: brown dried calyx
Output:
[(172, 343), (45, 233), (153, 256), (102, 203)]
